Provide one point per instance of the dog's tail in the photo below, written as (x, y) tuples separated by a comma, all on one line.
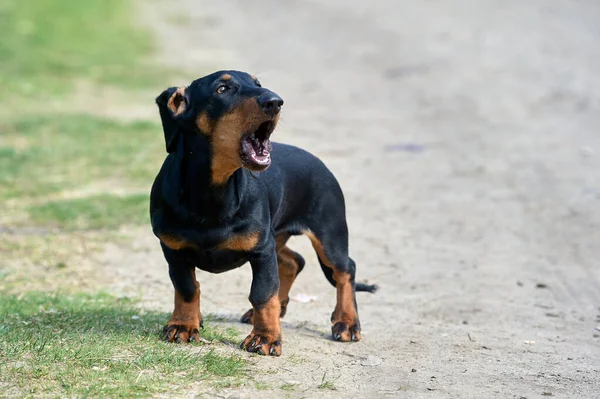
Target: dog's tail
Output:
[(372, 288)]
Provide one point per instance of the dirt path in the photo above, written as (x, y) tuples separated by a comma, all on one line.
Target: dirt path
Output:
[(465, 138)]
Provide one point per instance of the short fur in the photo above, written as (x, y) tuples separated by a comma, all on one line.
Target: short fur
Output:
[(215, 207)]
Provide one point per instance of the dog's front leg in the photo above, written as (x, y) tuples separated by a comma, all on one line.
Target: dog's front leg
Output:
[(186, 319), (265, 338)]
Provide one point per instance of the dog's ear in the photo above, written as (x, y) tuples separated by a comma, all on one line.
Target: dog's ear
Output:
[(172, 103)]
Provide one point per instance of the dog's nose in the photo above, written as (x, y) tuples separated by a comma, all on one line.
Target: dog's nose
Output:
[(270, 103)]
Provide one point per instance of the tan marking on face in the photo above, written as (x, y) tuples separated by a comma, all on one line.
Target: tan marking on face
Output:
[(253, 77), (177, 103), (345, 310), (226, 76), (203, 122), (174, 243), (226, 135), (240, 242)]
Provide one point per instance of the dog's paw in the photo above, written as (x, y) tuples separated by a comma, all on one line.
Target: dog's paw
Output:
[(262, 344), (346, 332), (181, 333)]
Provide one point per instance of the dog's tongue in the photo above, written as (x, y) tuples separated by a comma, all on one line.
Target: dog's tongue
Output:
[(258, 151)]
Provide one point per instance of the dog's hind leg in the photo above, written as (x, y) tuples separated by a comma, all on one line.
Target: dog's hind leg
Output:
[(289, 263), (331, 246)]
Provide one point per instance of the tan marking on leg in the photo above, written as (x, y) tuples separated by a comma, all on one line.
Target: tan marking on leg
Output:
[(186, 317), (174, 243), (345, 311), (266, 319), (280, 240), (265, 337), (288, 270), (240, 242)]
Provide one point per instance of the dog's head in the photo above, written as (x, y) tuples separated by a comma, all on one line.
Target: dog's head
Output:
[(232, 111)]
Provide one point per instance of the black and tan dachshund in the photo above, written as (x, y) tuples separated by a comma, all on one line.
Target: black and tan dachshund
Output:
[(216, 204)]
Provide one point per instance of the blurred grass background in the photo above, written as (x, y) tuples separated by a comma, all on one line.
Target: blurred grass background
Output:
[(46, 45), (62, 161), (76, 165)]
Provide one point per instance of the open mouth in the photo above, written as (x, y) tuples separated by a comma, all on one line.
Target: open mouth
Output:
[(256, 146)]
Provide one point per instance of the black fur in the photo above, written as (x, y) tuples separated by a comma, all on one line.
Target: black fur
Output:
[(296, 194)]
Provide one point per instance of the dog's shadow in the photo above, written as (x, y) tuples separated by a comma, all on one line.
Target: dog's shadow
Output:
[(234, 321)]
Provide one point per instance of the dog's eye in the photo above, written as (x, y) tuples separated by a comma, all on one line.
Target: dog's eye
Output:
[(257, 83), (222, 89)]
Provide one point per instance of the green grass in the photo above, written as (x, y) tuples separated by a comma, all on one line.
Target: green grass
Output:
[(81, 171), (45, 156), (47, 45), (53, 160), (288, 387), (261, 386), (96, 345), (101, 211), (229, 335), (327, 385), (60, 168)]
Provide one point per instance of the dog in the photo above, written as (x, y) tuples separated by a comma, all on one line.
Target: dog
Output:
[(227, 195)]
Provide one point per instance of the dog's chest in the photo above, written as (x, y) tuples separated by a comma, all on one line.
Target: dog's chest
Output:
[(218, 261), (213, 249), (203, 240)]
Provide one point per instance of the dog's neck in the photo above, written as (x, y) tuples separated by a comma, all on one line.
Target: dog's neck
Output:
[(198, 191)]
